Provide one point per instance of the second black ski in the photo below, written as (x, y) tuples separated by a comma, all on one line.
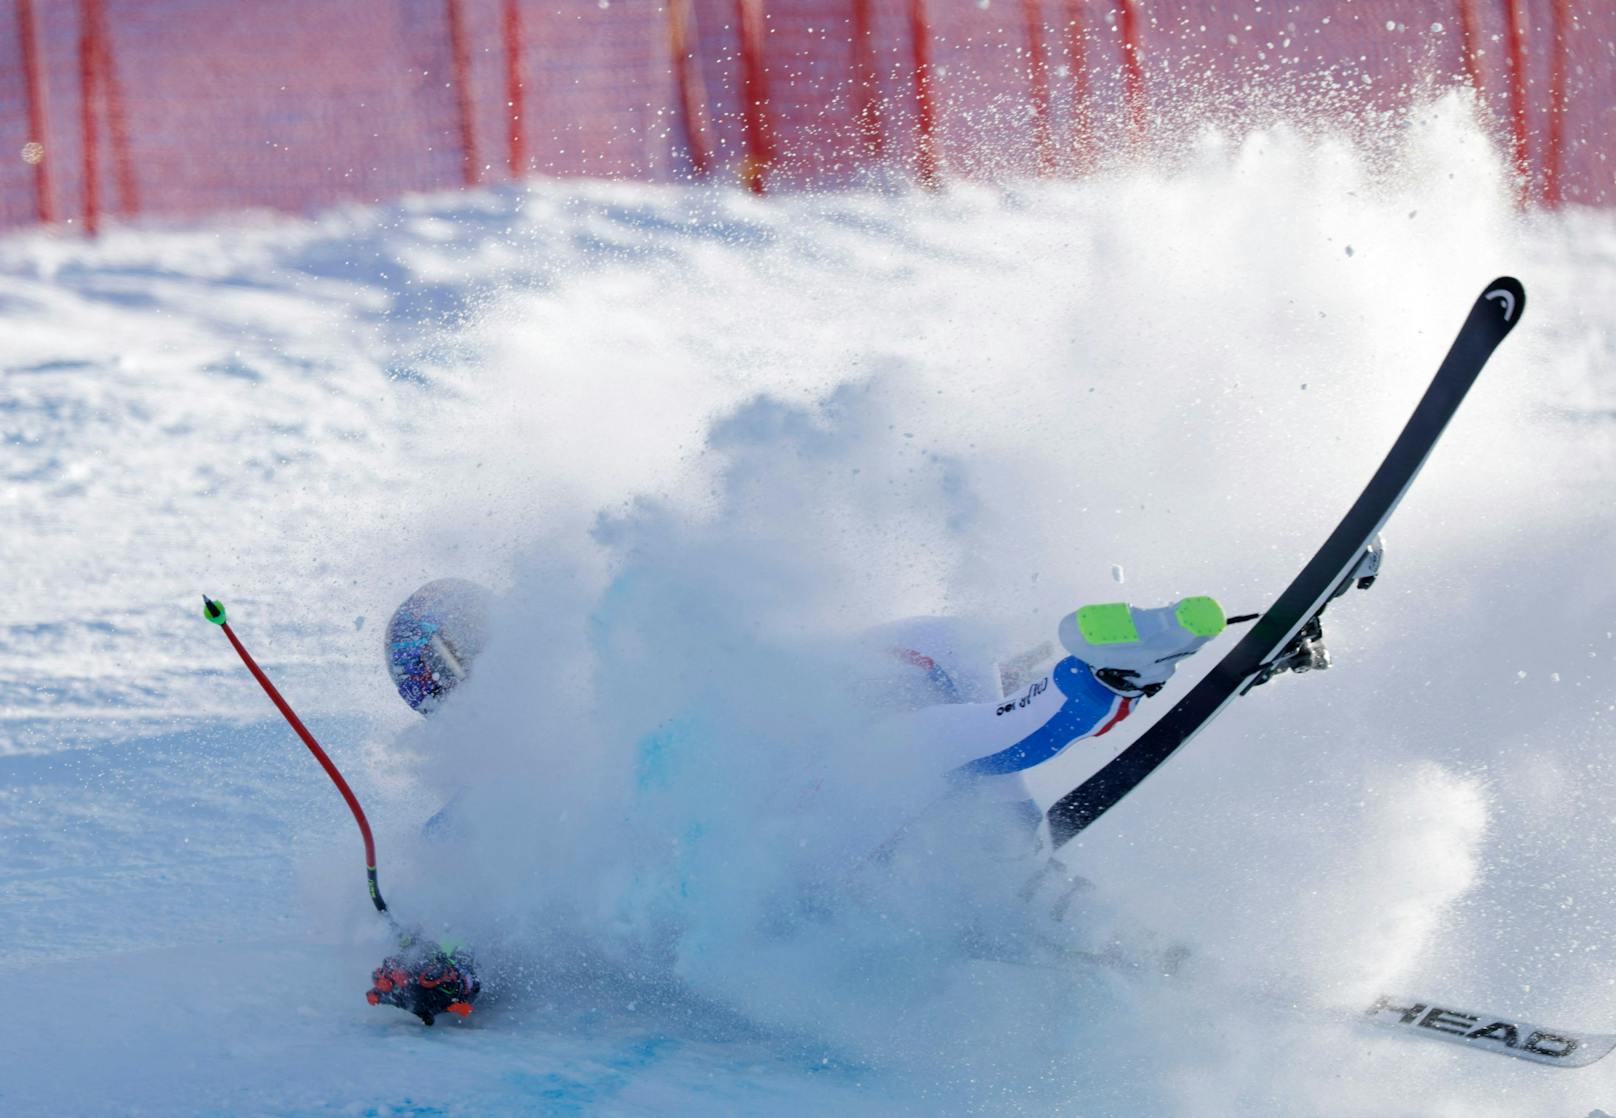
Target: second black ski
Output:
[(1275, 636)]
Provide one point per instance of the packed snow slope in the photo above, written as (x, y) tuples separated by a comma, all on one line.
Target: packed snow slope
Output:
[(699, 442)]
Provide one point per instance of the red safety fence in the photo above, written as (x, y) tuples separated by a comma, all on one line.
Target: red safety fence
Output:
[(180, 107)]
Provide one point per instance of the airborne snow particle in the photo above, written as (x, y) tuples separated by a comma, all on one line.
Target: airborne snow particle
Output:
[(1116, 573)]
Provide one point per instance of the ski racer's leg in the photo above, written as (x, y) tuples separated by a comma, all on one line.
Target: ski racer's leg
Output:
[(979, 749), (1120, 655), (1026, 729)]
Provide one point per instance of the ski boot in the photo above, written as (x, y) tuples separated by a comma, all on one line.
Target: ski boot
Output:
[(1133, 652), (426, 979), (1306, 651)]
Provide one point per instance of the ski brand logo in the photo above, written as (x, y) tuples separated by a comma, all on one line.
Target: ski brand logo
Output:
[(1016, 704), (1506, 299), (1470, 1027)]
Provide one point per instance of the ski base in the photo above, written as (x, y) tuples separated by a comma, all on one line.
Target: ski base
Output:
[(1496, 1033)]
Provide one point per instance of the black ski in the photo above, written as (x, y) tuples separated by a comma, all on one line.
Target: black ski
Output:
[(1491, 319), (1499, 1033)]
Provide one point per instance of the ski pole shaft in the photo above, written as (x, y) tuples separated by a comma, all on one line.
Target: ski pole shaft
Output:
[(215, 613)]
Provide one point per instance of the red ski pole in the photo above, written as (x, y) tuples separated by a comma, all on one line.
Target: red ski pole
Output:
[(214, 612)]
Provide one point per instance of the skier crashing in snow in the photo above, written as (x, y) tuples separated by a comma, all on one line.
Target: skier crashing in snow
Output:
[(1115, 656)]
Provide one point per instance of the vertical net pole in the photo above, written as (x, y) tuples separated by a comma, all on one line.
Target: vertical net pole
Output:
[(1082, 106), (39, 149), (1133, 71), (1553, 190), (866, 83), (1515, 56), (926, 168), (754, 96), (1468, 39), (1032, 17), (691, 90), (89, 26), (515, 120), (460, 78)]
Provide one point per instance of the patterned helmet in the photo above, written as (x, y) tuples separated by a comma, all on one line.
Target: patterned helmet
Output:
[(433, 638)]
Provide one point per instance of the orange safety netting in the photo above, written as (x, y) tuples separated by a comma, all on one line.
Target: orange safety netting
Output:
[(178, 107)]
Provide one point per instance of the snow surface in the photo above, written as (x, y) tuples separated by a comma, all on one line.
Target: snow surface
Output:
[(699, 441)]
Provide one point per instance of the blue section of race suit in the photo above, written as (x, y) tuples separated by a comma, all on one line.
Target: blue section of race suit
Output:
[(1089, 706)]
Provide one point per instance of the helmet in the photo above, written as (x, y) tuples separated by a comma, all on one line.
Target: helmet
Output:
[(433, 638)]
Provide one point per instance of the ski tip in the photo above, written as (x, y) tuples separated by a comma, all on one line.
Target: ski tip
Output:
[(1506, 298), (212, 610)]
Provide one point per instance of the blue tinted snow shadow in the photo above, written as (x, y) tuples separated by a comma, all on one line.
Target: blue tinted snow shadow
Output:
[(187, 836), (558, 1092), (555, 1093), (689, 1078)]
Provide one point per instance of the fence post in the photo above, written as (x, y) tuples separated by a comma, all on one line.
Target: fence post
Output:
[(925, 124), (691, 89), (1077, 62), (1553, 189), (1133, 71), (515, 121), (1038, 84), (89, 28), (1467, 41), (1515, 55), (460, 78), (37, 150), (754, 96), (866, 83)]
